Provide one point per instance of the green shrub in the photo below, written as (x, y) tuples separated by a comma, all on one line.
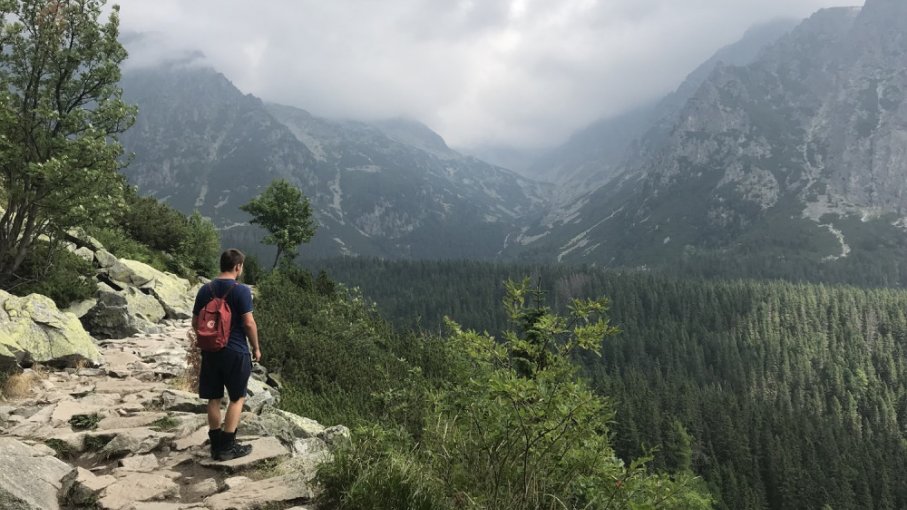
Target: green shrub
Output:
[(377, 471), (154, 224), (117, 241), (85, 421), (512, 427), (57, 273), (199, 249)]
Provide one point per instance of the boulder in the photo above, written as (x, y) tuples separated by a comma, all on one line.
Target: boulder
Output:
[(29, 477), (123, 313), (104, 258), (287, 426), (174, 294), (335, 436), (33, 330), (131, 272), (84, 254), (259, 396), (80, 308)]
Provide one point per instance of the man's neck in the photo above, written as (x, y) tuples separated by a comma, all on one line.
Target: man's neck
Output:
[(226, 276)]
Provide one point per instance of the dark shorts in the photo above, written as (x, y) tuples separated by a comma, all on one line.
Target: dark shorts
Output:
[(225, 367)]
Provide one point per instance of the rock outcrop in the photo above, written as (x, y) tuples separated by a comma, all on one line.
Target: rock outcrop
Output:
[(33, 330), (42, 484), (132, 296), (127, 435)]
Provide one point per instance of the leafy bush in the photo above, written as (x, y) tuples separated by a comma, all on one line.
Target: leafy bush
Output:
[(339, 358), (157, 234), (511, 427), (117, 241), (57, 273)]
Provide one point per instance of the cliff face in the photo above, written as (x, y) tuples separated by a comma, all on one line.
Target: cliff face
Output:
[(798, 143), (390, 189)]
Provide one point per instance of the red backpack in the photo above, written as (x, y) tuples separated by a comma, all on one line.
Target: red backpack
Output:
[(214, 321)]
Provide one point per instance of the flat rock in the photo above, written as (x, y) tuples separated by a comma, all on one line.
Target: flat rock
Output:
[(263, 449), (84, 486), (193, 440), (235, 481), (204, 488), (251, 495), (140, 463), (288, 427), (135, 441), (29, 478), (128, 422), (137, 487), (176, 400)]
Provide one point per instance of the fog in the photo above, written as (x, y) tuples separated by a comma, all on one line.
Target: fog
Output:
[(520, 73)]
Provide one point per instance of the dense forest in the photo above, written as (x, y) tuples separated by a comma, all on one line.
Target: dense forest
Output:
[(789, 395)]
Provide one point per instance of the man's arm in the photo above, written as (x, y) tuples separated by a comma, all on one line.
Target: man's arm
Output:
[(248, 323)]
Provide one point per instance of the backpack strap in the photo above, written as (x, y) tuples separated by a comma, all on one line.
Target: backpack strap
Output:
[(214, 294), (235, 284)]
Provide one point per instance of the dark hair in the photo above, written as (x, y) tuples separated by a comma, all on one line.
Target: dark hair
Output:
[(230, 259)]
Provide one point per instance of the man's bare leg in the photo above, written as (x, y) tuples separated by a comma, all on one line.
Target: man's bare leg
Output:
[(214, 413), (234, 410)]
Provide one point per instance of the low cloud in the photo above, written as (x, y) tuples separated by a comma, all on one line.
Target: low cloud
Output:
[(523, 73)]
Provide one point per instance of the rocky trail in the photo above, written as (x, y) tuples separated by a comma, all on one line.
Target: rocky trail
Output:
[(126, 434)]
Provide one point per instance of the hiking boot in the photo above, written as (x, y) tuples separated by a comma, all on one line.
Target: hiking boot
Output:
[(214, 437), (229, 449)]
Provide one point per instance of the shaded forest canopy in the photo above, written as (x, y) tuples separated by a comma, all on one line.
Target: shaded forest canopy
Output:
[(792, 395)]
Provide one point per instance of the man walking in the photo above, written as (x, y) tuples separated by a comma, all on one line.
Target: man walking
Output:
[(232, 365)]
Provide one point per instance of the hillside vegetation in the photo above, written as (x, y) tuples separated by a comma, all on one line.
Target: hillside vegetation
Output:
[(790, 396)]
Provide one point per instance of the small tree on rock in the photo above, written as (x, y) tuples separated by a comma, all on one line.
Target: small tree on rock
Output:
[(286, 214)]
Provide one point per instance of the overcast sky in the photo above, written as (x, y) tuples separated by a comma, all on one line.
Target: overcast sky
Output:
[(523, 73)]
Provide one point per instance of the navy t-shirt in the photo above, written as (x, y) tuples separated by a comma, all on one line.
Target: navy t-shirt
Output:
[(240, 302)]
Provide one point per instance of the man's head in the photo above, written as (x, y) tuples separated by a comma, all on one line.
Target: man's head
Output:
[(231, 261)]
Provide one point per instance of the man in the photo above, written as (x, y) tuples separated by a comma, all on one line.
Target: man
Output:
[(232, 365)]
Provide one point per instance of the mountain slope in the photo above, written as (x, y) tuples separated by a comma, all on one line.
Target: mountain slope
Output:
[(592, 156), (800, 154), (390, 190)]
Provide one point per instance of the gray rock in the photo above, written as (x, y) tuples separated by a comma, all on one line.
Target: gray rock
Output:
[(204, 488), (263, 449), (29, 478), (335, 436), (123, 313), (182, 401), (104, 258), (83, 487), (140, 463), (280, 489), (135, 441), (288, 427), (33, 330), (259, 396), (84, 254), (138, 487)]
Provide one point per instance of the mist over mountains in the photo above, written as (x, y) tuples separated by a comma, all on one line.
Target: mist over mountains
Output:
[(786, 147)]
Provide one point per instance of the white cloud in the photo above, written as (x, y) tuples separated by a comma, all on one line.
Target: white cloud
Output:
[(512, 72)]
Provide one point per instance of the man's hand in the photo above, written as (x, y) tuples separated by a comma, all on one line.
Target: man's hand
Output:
[(256, 355)]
